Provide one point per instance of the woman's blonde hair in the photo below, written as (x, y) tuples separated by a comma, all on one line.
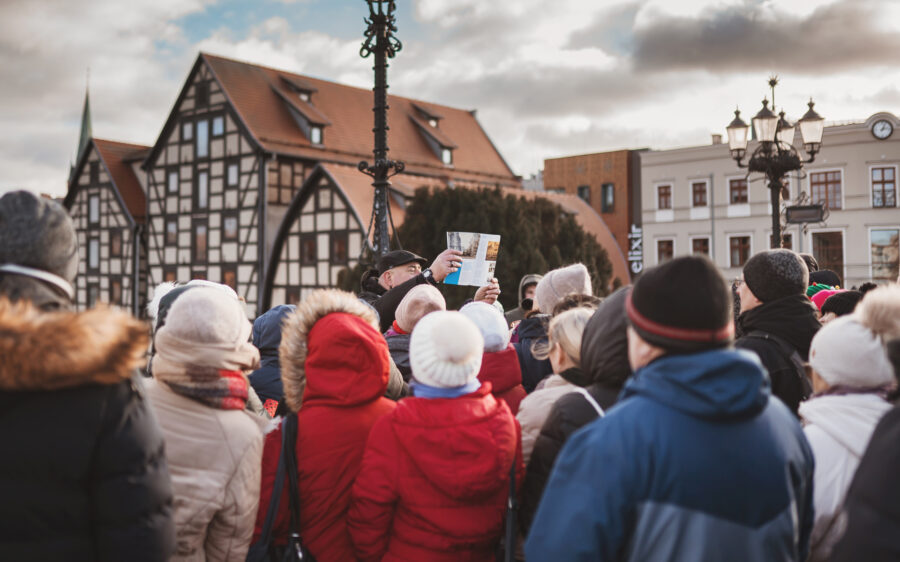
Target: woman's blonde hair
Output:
[(566, 330)]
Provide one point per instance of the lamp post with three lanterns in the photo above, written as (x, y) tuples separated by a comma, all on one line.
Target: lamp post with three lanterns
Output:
[(775, 155)]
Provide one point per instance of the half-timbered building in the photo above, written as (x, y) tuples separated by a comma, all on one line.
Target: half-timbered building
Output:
[(107, 204), (253, 181)]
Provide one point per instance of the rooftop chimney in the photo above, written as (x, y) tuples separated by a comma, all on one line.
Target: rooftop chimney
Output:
[(717, 139)]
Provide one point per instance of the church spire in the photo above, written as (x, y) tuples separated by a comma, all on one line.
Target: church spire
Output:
[(86, 132)]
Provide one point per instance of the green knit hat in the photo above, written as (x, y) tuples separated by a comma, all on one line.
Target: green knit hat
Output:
[(815, 288)]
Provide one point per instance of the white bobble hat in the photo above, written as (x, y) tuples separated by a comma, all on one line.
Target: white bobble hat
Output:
[(844, 352), (445, 350), (491, 323)]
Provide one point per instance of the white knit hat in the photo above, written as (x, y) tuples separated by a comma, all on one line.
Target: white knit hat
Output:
[(445, 350), (207, 327), (559, 283), (844, 352), (491, 323)]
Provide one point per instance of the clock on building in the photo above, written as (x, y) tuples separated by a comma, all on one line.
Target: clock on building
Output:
[(882, 129)]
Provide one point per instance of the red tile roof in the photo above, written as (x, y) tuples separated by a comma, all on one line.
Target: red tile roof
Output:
[(251, 89), (117, 156)]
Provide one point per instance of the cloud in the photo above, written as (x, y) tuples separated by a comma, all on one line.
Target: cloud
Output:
[(758, 36)]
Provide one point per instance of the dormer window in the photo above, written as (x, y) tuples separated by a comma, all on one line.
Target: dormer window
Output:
[(447, 156), (315, 135), (304, 96), (433, 122)]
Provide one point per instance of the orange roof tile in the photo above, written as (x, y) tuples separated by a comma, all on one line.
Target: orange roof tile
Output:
[(117, 157), (348, 139)]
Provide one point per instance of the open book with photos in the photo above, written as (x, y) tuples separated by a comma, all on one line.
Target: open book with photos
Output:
[(479, 257)]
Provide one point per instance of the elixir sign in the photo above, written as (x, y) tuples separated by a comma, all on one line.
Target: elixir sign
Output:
[(636, 249)]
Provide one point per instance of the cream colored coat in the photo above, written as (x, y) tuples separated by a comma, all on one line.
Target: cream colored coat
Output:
[(535, 408), (215, 458)]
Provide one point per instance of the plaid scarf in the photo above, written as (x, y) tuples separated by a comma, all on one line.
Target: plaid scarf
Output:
[(218, 388)]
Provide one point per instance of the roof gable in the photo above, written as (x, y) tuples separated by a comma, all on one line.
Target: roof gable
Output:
[(258, 94), (117, 158)]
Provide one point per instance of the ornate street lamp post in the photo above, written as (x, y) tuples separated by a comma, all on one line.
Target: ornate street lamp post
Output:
[(381, 42), (775, 155)]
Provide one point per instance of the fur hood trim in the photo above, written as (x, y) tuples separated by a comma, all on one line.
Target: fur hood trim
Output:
[(295, 331), (55, 350), (879, 311)]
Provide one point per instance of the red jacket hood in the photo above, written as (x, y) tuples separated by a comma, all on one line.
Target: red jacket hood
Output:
[(347, 362), (501, 369), (464, 446)]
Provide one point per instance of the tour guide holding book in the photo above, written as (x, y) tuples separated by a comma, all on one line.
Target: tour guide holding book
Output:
[(399, 271)]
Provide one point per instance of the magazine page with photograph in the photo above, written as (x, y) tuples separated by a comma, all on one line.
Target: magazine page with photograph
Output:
[(479, 257)]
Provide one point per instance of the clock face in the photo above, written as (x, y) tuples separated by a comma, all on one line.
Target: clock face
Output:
[(882, 129)]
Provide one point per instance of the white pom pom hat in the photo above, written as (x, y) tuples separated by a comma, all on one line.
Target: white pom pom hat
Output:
[(445, 350)]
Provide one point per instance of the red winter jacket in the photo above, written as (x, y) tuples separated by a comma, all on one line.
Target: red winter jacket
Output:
[(435, 480), (346, 370), (502, 370)]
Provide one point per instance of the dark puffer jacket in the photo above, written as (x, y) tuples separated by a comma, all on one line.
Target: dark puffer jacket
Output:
[(873, 517), (604, 360), (530, 331), (83, 475), (792, 319), (266, 380)]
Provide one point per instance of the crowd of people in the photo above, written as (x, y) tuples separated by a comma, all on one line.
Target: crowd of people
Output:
[(679, 418)]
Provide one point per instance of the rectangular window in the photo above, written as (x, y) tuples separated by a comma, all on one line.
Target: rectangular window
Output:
[(230, 226), (885, 251), (94, 209), (200, 242), (169, 274), (447, 156), (187, 131), (740, 250), (315, 135), (93, 294), (94, 254), (218, 126), (665, 250), (229, 276), (115, 243), (233, 175), (339, 248), (172, 232), (884, 187), (607, 198), (95, 172), (737, 191), (828, 249), (698, 189), (664, 197), (202, 138), (308, 249), (115, 291), (173, 181), (202, 192), (700, 246), (201, 93), (825, 187), (584, 193), (787, 240)]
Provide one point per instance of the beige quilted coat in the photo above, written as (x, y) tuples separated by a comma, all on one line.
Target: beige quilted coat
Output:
[(214, 457)]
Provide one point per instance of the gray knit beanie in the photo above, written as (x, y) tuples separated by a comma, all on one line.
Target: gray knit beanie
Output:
[(775, 274), (560, 282), (37, 232)]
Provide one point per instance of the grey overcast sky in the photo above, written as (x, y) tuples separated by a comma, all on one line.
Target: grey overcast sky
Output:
[(548, 78)]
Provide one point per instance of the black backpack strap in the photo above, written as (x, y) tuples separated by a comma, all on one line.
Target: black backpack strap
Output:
[(261, 550), (512, 506), (792, 355)]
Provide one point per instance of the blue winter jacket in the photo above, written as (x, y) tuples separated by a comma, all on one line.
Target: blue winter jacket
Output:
[(696, 462), (266, 380)]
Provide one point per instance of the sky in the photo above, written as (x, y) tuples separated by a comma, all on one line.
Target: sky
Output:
[(547, 79)]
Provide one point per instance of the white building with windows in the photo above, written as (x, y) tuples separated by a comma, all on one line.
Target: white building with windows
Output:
[(696, 200)]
